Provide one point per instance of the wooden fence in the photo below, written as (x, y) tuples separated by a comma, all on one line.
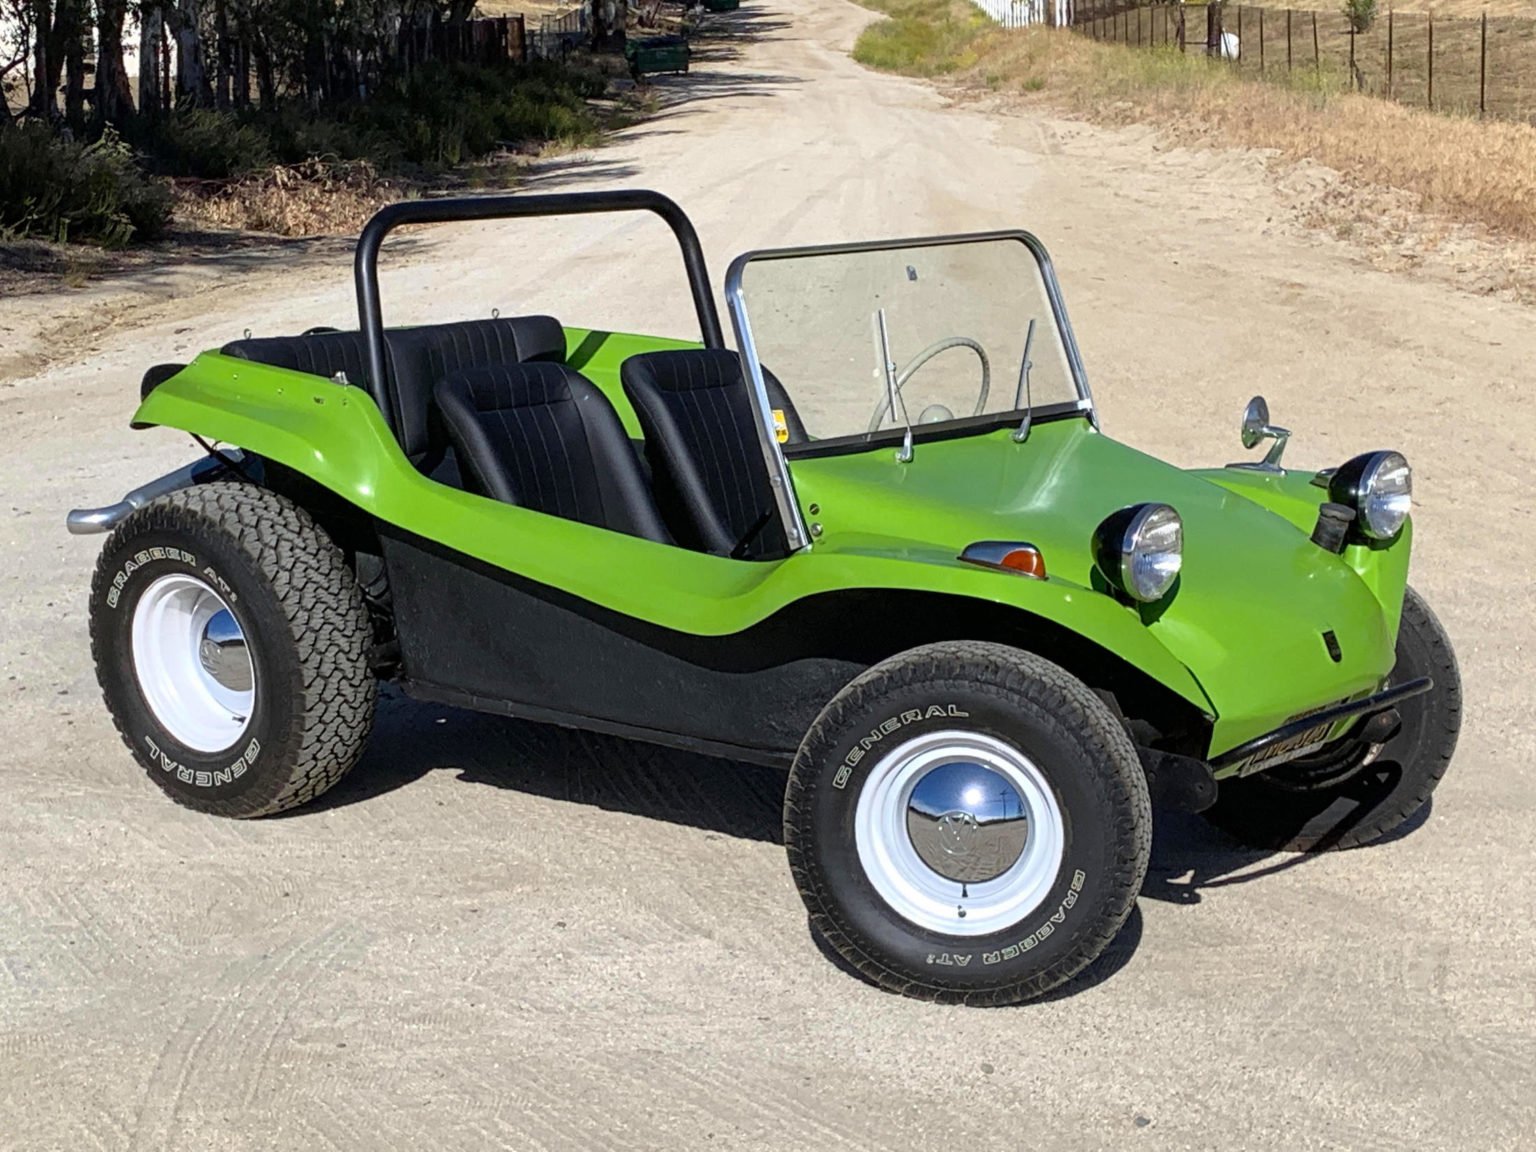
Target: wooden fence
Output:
[(494, 40), (1480, 66)]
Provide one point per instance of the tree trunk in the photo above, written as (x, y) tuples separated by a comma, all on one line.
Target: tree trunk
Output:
[(114, 96), (71, 26), (151, 29), (45, 65), (242, 73), (223, 61), (191, 79), (266, 83)]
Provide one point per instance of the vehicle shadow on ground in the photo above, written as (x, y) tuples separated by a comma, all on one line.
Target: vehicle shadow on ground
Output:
[(1190, 857), (412, 739)]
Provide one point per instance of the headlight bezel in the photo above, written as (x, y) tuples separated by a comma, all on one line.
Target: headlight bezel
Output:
[(1123, 538), (1359, 481)]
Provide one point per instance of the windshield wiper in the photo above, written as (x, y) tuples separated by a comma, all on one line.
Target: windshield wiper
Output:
[(1021, 433), (893, 393)]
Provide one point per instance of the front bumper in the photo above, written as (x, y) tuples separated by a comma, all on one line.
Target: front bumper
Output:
[(1257, 751)]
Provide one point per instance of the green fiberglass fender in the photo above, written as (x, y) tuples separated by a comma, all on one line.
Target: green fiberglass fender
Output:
[(1268, 624)]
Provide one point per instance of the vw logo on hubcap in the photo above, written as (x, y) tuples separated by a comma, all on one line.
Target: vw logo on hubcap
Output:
[(967, 822)]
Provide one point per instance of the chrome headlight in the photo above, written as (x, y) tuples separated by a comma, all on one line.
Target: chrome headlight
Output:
[(1140, 550), (1379, 487)]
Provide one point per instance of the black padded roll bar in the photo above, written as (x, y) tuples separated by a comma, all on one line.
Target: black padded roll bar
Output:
[(448, 210)]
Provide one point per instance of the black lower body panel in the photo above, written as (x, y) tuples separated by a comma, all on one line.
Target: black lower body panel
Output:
[(475, 636)]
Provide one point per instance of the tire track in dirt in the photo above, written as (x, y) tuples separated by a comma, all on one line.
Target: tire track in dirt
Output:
[(218, 1034)]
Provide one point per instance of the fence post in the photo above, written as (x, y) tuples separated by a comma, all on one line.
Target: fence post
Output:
[(1261, 41), (1431, 61), (1482, 70), (1181, 30), (1317, 57), (1354, 73), (1389, 54), (1238, 59)]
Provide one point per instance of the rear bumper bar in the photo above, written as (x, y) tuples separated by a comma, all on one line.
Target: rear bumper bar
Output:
[(1298, 727), (88, 521)]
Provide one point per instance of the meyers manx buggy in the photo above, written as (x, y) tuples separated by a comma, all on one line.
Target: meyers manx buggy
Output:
[(885, 545)]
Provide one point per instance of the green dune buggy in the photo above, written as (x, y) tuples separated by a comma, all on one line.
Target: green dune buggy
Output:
[(883, 544)]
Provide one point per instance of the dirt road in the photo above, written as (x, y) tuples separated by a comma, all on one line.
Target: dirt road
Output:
[(499, 935)]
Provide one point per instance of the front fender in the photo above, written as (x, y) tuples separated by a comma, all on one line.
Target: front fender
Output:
[(1292, 496), (874, 562)]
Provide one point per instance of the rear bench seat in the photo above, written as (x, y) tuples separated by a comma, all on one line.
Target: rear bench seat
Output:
[(417, 359)]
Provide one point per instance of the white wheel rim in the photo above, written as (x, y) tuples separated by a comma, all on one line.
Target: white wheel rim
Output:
[(910, 885), (192, 663)]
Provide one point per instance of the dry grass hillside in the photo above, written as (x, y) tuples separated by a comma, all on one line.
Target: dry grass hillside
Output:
[(1384, 162)]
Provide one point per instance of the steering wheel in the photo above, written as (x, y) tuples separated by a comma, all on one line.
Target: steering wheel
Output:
[(884, 407)]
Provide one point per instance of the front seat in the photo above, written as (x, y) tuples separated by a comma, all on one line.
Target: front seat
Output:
[(706, 456), (540, 436)]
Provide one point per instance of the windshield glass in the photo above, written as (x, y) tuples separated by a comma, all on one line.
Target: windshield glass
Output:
[(957, 318)]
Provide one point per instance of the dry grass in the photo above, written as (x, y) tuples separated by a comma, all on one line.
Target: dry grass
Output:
[(1462, 8), (318, 197), (1469, 172)]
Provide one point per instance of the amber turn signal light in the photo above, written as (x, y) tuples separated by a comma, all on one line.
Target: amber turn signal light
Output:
[(1012, 556)]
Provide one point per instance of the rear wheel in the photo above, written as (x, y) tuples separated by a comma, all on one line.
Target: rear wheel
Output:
[(231, 642), (967, 823), (1356, 791)]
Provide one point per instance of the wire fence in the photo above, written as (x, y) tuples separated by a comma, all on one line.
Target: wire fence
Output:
[(1481, 66)]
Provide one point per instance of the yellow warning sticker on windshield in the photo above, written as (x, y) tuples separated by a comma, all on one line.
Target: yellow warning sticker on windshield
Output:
[(780, 427)]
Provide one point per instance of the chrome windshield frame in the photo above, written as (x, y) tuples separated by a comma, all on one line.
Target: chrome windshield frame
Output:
[(752, 369), (736, 300), (795, 532)]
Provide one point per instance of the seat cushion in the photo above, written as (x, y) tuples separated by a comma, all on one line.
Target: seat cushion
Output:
[(543, 437), (705, 452)]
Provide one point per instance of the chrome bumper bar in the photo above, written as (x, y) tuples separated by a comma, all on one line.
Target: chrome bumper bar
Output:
[(88, 521), (1301, 725)]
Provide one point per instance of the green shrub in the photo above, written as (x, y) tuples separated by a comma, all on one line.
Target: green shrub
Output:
[(918, 42), (206, 143), (59, 189), (443, 114)]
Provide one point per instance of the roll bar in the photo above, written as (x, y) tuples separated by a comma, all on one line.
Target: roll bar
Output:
[(451, 209)]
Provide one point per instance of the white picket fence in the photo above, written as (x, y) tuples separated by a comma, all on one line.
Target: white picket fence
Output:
[(1023, 13)]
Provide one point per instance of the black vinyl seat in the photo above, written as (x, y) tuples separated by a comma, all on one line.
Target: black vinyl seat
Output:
[(706, 456), (417, 358), (540, 436)]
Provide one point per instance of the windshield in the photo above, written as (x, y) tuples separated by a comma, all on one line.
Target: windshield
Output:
[(940, 328)]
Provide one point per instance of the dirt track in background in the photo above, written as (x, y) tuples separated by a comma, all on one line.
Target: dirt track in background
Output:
[(500, 935)]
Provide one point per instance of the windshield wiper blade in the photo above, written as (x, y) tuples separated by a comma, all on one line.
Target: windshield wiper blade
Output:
[(892, 389), (1021, 433)]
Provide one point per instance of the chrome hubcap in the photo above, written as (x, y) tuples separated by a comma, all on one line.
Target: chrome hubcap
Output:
[(192, 663), (959, 833), (967, 822), (223, 653)]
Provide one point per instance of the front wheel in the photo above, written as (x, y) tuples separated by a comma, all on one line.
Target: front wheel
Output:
[(231, 641), (1353, 791), (967, 823)]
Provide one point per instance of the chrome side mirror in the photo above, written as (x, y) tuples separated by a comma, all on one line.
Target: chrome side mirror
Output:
[(1257, 428), (1255, 421)]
